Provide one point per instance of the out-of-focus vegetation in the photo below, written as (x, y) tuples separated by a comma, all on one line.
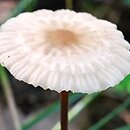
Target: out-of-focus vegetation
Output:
[(103, 111)]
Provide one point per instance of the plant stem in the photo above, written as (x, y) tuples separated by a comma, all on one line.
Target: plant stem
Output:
[(2, 124), (64, 110), (10, 99), (69, 4)]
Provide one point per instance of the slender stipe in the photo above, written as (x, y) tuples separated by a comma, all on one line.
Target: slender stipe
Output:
[(64, 110)]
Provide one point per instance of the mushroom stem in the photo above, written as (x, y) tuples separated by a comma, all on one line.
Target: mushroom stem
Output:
[(64, 110)]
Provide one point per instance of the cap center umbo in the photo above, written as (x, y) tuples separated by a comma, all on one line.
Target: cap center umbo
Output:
[(62, 37)]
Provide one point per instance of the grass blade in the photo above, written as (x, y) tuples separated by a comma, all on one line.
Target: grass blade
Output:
[(111, 115), (78, 108), (55, 107), (10, 99), (23, 5), (127, 127), (69, 4)]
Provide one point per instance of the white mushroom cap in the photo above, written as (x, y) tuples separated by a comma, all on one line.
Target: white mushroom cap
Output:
[(64, 50)]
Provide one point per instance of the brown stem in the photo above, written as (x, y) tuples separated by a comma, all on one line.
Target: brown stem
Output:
[(64, 110)]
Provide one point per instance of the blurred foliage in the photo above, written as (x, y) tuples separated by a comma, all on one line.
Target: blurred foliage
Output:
[(110, 116), (82, 104), (124, 86), (126, 2), (127, 127), (53, 108), (23, 5)]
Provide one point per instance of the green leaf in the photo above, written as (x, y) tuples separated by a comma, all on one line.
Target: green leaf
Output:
[(124, 85)]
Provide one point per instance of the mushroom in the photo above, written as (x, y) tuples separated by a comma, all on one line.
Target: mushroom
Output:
[(64, 51)]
